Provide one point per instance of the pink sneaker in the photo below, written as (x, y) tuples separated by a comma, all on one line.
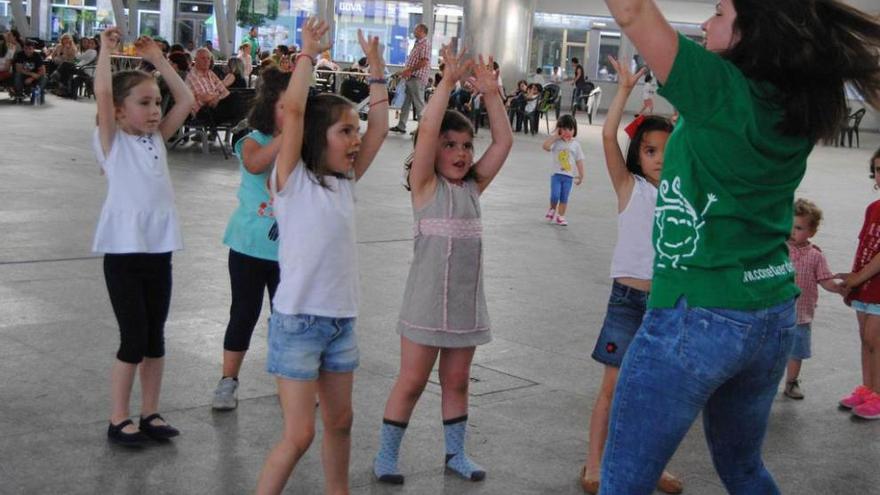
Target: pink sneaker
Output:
[(857, 397), (551, 213), (870, 409), (560, 220)]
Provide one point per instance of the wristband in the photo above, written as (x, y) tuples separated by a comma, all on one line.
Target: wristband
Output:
[(377, 80), (311, 58), (374, 103)]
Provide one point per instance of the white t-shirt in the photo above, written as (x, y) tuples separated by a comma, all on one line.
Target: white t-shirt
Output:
[(138, 215), (565, 157), (316, 245)]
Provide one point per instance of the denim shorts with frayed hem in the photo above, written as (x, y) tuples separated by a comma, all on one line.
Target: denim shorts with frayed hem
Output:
[(869, 308), (626, 308), (300, 346)]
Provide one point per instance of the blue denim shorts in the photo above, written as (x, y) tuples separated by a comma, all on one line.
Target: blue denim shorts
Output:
[(626, 308), (302, 345), (869, 308), (801, 349)]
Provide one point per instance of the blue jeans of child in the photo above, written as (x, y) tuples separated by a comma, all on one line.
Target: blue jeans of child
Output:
[(560, 187), (725, 363)]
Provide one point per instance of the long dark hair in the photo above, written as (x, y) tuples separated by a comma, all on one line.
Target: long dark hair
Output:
[(322, 111), (262, 114), (651, 123), (453, 120), (808, 50)]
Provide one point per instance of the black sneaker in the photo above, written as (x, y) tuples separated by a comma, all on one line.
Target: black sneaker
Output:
[(398, 130), (117, 436), (157, 432)]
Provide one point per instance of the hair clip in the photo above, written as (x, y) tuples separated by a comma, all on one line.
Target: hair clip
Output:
[(633, 126)]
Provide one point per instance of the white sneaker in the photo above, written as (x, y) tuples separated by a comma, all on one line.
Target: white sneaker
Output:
[(226, 395), (561, 221), (551, 213)]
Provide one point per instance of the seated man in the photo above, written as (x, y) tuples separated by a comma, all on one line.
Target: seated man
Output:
[(204, 83), (29, 69)]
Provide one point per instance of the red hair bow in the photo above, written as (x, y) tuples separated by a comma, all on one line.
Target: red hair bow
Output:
[(633, 126)]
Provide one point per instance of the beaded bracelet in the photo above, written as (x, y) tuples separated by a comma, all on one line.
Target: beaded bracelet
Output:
[(377, 80)]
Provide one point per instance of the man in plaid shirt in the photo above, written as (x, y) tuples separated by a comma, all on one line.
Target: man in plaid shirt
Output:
[(416, 73)]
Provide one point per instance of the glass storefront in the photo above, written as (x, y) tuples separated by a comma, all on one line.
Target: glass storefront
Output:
[(76, 17), (392, 21), (447, 29), (286, 29)]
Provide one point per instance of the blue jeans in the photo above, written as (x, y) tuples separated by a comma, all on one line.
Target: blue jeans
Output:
[(560, 187), (725, 363)]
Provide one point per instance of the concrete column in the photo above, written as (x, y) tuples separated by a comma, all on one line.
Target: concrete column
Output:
[(428, 16), (326, 10), (167, 12), (502, 28)]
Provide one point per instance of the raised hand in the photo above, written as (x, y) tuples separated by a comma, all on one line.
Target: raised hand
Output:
[(110, 38), (625, 77), (312, 33), (455, 65), (148, 49), (373, 51), (486, 80)]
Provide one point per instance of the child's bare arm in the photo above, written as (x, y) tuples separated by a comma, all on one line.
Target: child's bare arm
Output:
[(853, 280), (104, 89), (183, 97), (650, 32), (257, 159), (377, 119), (580, 177), (421, 177), (621, 179), (294, 100), (502, 136), (548, 143)]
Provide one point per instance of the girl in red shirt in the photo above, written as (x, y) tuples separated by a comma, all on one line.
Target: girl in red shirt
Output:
[(864, 297)]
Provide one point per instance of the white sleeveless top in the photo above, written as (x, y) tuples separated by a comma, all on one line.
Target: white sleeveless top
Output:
[(634, 253), (317, 254), (139, 214)]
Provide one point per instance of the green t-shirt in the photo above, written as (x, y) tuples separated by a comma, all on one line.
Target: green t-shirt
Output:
[(255, 46), (724, 203)]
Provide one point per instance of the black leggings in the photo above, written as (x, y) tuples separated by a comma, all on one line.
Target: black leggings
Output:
[(139, 285), (249, 277)]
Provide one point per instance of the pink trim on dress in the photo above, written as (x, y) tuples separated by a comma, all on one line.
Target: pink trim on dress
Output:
[(445, 329), (449, 227)]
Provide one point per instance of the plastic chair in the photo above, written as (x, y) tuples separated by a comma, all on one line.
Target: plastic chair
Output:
[(592, 101), (851, 126), (551, 99)]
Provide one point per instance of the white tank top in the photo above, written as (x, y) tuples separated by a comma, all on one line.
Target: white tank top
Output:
[(634, 253), (317, 253)]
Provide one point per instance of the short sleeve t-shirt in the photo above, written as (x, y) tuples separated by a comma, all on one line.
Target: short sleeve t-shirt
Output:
[(869, 247), (31, 63), (252, 229), (565, 157), (725, 200)]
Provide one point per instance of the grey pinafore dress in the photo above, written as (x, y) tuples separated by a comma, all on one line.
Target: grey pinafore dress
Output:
[(444, 304)]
